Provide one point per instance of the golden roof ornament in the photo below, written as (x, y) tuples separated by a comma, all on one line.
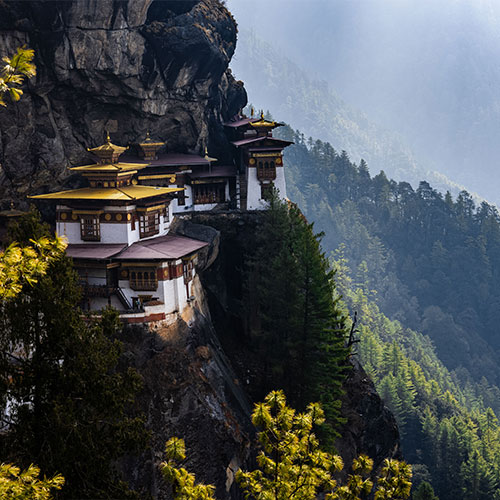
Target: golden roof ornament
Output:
[(208, 158), (150, 148), (108, 152), (252, 111), (263, 123)]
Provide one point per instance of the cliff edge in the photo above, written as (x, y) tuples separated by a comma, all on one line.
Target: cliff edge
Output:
[(201, 377), (370, 427), (120, 66)]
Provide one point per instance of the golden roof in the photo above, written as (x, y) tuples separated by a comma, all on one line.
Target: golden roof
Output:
[(263, 122), (110, 167), (108, 147), (149, 142), (125, 193)]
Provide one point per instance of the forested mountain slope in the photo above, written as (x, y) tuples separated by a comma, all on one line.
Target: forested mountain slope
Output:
[(447, 432), (423, 277), (426, 69), (276, 82)]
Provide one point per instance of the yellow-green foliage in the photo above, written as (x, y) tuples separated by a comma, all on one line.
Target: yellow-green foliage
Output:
[(25, 485), (394, 481), (15, 69), (291, 465), (182, 481), (20, 265)]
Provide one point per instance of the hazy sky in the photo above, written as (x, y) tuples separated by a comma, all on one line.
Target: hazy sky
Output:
[(427, 69)]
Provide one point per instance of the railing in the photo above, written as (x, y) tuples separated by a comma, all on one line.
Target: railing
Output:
[(91, 290), (123, 298), (106, 291)]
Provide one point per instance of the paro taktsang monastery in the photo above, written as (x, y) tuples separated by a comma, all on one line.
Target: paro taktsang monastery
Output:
[(118, 227)]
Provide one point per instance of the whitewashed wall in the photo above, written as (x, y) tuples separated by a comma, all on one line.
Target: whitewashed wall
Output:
[(254, 201), (110, 232)]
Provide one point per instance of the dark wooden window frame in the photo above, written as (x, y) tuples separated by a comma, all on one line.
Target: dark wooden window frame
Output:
[(187, 268), (142, 279), (266, 170), (90, 227), (204, 194), (149, 224)]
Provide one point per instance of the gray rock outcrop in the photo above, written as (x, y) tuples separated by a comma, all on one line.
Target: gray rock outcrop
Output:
[(125, 66), (370, 427), (189, 391)]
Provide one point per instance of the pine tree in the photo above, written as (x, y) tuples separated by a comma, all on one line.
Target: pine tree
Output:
[(291, 464), (302, 332), (26, 485), (478, 479), (21, 265), (424, 492), (322, 325), (272, 295), (66, 399), (183, 483)]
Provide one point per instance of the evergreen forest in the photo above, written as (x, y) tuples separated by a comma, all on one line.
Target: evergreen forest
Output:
[(420, 269), (403, 277)]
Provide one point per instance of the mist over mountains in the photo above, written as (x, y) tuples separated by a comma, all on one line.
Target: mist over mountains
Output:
[(313, 107), (426, 71)]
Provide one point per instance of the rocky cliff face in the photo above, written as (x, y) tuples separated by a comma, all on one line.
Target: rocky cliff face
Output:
[(126, 66), (200, 377), (190, 391), (370, 427)]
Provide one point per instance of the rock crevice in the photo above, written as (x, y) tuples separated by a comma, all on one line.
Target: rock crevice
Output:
[(126, 66)]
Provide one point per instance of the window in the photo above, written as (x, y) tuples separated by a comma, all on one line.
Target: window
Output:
[(90, 228), (209, 193), (188, 270), (266, 170), (149, 224), (166, 215), (143, 279)]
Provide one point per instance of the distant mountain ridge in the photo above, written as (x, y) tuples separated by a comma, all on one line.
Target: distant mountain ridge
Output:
[(275, 82), (427, 69)]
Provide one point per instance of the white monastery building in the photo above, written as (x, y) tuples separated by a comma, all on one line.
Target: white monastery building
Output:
[(118, 226)]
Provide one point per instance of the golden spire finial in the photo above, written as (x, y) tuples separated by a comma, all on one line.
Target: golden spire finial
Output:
[(252, 111), (208, 158), (108, 138), (262, 114), (147, 136)]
